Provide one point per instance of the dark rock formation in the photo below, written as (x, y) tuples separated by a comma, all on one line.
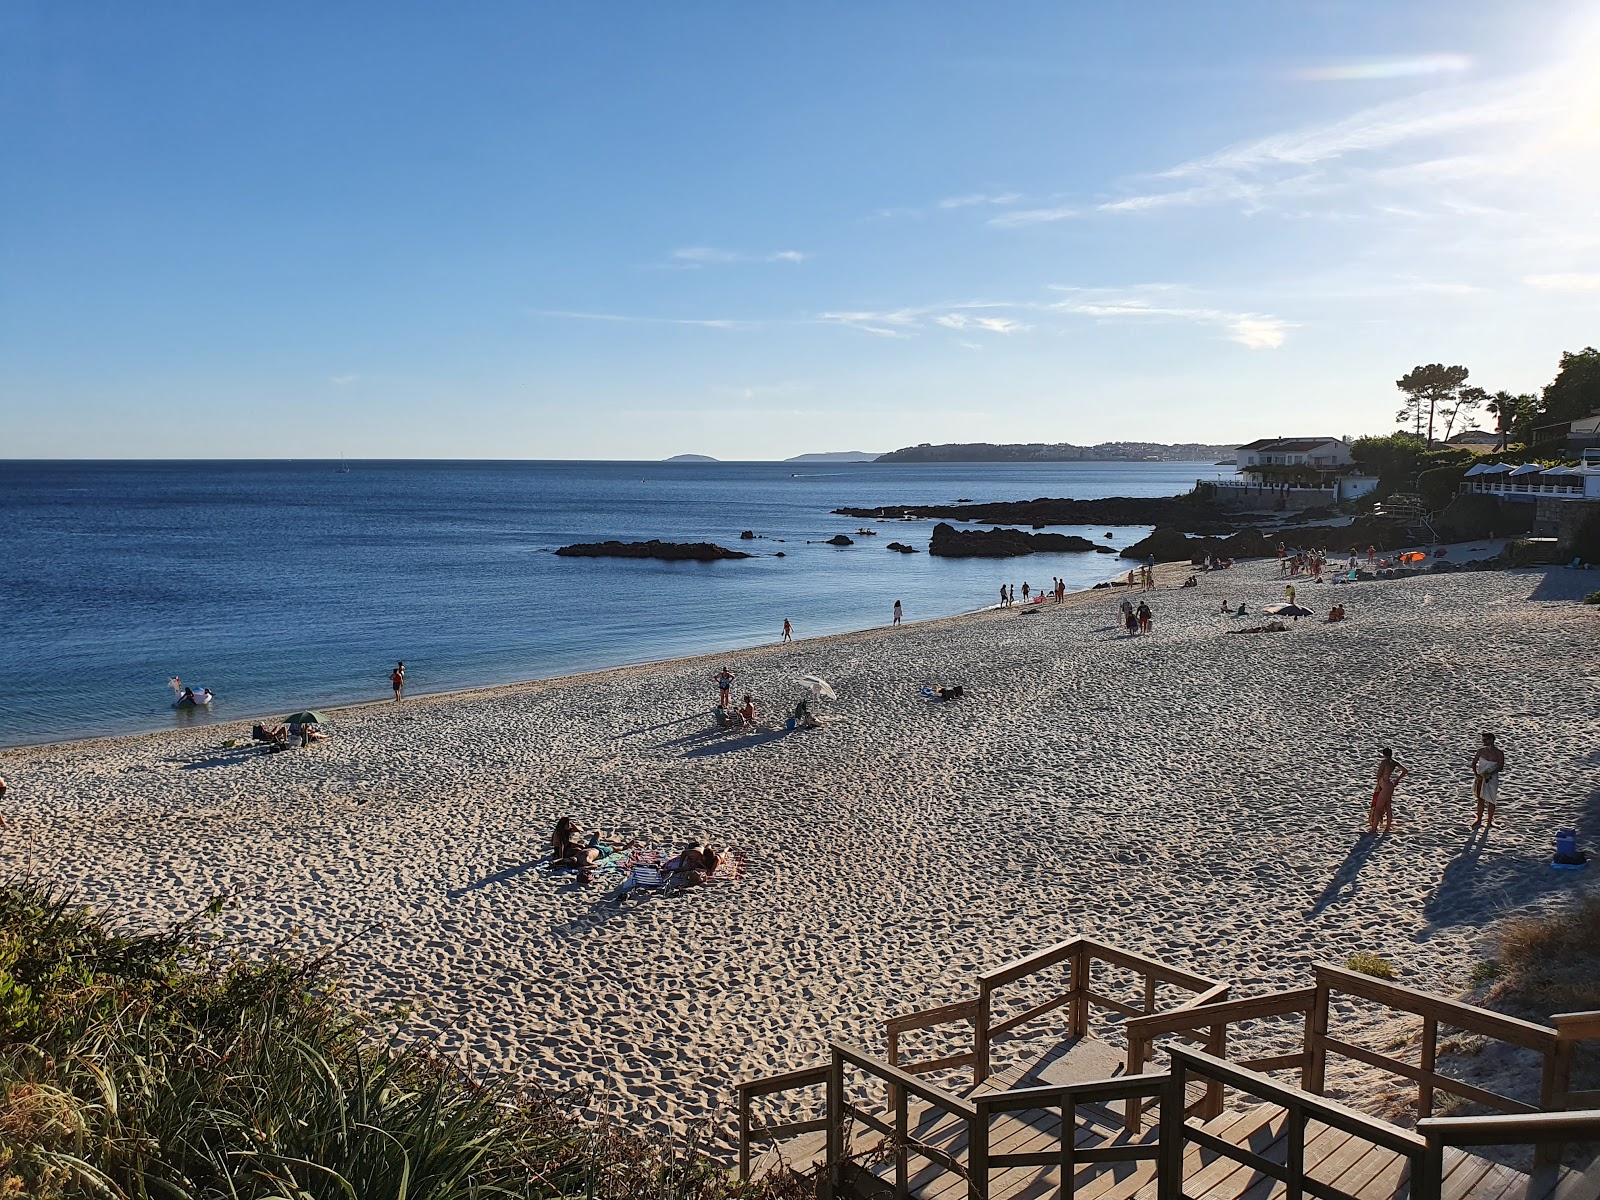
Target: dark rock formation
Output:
[(669, 551), (1168, 544), (950, 542), (839, 539), (902, 548), (747, 535)]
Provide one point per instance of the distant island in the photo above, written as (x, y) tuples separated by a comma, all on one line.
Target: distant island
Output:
[(836, 456), (1059, 452), (691, 458)]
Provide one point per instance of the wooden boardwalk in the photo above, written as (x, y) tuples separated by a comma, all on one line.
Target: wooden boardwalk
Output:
[(1082, 1118)]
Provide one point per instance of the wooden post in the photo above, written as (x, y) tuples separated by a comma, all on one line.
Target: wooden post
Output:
[(1316, 1044), (902, 1134), (1553, 1085), (1217, 1046), (980, 1034), (1170, 1135), (1429, 1165), (1150, 986), (1430, 1054), (1133, 1107), (744, 1136), (893, 1047), (978, 1155), (835, 1159), (1078, 1021), (1295, 1154), (1069, 1147)]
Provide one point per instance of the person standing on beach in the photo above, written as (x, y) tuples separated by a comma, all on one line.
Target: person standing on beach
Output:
[(1390, 773), (788, 630), (1024, 591), (1011, 594), (397, 679), (897, 612), (1145, 617), (1487, 764), (724, 680), (1289, 592)]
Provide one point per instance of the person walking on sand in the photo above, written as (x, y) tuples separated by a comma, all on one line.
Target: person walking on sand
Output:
[(1390, 773), (397, 680), (1002, 595), (1145, 617), (724, 680), (1487, 764), (1011, 594), (897, 612), (788, 630), (1289, 592)]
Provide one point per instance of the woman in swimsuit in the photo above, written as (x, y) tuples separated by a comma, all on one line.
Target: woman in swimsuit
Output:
[(1390, 773)]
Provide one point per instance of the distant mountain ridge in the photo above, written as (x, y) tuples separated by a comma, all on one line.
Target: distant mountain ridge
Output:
[(690, 458), (836, 456), (1059, 452)]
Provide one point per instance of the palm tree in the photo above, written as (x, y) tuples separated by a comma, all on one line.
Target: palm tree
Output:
[(1507, 410)]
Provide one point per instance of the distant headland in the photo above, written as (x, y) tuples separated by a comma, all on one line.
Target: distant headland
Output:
[(837, 456), (1059, 452), (691, 458)]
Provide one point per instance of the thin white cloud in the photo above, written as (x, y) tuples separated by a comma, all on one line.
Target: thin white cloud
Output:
[(1032, 216), (1567, 281), (1335, 154), (696, 257), (958, 320), (1385, 68), (976, 199), (1255, 331), (628, 319), (900, 323), (343, 380)]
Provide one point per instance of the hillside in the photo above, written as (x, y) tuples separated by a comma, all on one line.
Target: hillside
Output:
[(1060, 452)]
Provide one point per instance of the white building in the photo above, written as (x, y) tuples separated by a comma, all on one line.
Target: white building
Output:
[(1316, 456)]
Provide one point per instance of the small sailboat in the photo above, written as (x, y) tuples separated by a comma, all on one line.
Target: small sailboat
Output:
[(344, 467)]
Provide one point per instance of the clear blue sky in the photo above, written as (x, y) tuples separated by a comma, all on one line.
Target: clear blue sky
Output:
[(529, 230)]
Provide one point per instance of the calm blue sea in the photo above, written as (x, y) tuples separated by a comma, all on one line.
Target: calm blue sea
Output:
[(289, 584)]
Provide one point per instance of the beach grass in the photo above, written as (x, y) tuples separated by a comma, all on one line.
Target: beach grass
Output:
[(171, 1064)]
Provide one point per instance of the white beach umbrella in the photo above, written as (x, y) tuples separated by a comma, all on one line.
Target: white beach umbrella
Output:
[(819, 686)]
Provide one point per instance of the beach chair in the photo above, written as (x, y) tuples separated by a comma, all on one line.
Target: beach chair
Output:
[(275, 739)]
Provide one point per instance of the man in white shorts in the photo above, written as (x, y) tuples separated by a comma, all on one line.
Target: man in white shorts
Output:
[(1487, 764)]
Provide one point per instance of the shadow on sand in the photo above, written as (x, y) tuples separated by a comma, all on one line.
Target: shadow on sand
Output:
[(1343, 886), (737, 742), (504, 875)]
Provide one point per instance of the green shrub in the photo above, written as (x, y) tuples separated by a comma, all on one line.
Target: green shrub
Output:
[(1592, 598), (1370, 964), (1437, 485), (167, 1065), (1484, 973)]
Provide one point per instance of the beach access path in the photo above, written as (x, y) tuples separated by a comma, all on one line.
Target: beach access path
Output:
[(1194, 794)]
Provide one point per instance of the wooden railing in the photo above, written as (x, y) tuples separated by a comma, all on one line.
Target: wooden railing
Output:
[(1301, 1109), (1434, 1011), (902, 1086), (1573, 1028), (1206, 1026), (1068, 1155), (772, 1084), (1546, 1132), (1080, 955)]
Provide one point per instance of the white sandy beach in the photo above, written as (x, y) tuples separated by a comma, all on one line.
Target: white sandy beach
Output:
[(1192, 794)]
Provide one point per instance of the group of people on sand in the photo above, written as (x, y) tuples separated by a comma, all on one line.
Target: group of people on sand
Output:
[(1488, 763), (572, 847), (1057, 592), (1136, 619), (743, 715)]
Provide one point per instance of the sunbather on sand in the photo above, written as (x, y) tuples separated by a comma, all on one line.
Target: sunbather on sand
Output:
[(571, 846)]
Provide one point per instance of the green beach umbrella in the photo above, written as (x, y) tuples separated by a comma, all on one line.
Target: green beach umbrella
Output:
[(308, 717)]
